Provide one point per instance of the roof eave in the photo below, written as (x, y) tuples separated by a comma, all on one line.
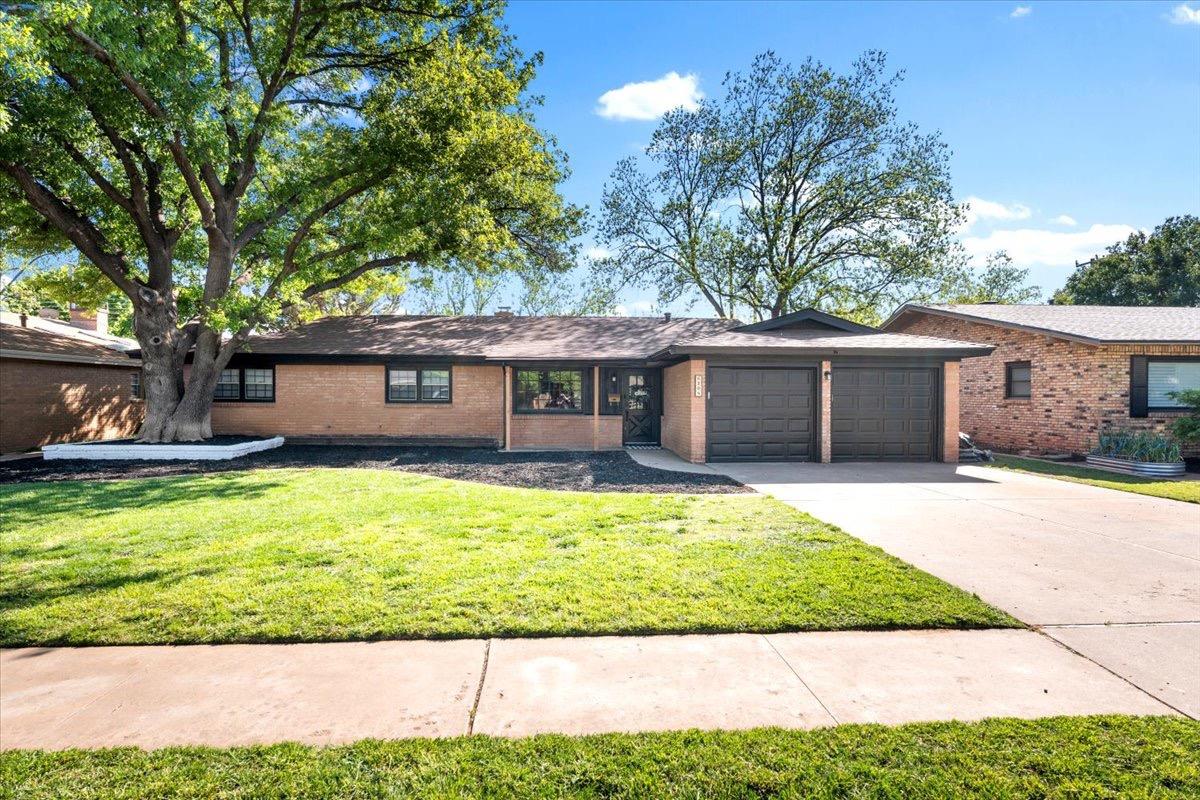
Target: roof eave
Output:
[(934, 352)]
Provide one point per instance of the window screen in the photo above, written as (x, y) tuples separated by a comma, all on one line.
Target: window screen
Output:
[(418, 384), (1164, 377), (135, 384)]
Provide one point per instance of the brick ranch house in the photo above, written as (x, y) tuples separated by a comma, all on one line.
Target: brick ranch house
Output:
[(1061, 374), (805, 387), (61, 383)]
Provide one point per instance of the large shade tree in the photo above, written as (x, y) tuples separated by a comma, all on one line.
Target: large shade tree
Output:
[(221, 163), (799, 187), (1161, 268)]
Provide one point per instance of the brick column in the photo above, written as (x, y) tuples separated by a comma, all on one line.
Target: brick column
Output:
[(507, 391), (596, 407), (826, 384), (950, 412)]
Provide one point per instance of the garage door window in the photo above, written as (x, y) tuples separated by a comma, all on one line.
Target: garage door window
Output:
[(1017, 383)]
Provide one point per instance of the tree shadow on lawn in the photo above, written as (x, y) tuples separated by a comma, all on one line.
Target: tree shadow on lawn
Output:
[(82, 501)]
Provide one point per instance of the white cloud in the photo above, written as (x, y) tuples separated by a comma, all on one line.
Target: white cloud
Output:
[(1029, 246), (1065, 219), (980, 209), (597, 253), (1021, 11), (1183, 14), (635, 308), (651, 99)]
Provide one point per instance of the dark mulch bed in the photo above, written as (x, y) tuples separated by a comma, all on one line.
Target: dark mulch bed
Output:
[(588, 472)]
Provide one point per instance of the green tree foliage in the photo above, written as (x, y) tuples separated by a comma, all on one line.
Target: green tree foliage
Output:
[(1159, 269), (1187, 428), (800, 188), (1000, 281), (222, 164)]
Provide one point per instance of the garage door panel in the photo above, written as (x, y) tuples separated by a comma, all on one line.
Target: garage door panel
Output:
[(769, 414), (883, 414)]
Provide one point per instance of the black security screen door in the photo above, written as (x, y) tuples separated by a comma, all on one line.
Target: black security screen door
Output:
[(640, 405)]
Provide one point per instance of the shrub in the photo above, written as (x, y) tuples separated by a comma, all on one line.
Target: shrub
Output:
[(1187, 429), (1137, 446)]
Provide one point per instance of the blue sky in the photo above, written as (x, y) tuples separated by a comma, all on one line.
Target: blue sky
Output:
[(1061, 113)]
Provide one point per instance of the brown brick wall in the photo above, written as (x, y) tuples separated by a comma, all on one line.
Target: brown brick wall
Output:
[(1078, 389), (348, 400), (951, 389), (565, 431), (684, 415), (46, 402)]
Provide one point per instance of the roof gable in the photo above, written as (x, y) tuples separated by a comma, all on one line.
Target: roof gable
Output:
[(808, 319)]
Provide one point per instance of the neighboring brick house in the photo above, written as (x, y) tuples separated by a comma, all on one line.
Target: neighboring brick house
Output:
[(805, 387), (1061, 374), (58, 384)]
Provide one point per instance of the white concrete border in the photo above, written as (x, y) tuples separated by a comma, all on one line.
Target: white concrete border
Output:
[(158, 452)]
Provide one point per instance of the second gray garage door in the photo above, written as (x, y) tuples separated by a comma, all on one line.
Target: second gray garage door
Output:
[(759, 414), (884, 414)]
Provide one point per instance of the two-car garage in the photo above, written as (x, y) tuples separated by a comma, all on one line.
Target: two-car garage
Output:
[(877, 413)]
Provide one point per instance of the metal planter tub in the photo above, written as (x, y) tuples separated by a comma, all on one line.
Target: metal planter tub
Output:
[(1150, 469)]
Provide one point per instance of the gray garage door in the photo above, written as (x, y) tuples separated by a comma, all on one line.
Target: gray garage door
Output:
[(884, 414), (761, 414)]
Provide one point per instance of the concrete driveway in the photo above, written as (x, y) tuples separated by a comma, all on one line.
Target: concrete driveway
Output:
[(1112, 575)]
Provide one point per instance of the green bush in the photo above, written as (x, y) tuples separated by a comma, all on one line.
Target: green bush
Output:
[(1137, 446), (1187, 429)]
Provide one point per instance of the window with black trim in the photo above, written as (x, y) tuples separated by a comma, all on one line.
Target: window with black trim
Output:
[(549, 390), (229, 385), (258, 384), (418, 385), (1017, 380), (135, 384), (1165, 378), (249, 385)]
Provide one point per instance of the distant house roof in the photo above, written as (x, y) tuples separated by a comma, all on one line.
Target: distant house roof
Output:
[(38, 344), (516, 338), (1090, 324)]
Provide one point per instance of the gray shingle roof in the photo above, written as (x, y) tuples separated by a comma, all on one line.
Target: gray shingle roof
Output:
[(44, 345), (569, 338), (525, 338), (1101, 324)]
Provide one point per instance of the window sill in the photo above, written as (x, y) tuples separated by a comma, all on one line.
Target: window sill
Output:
[(550, 412), (1021, 400), (418, 402)]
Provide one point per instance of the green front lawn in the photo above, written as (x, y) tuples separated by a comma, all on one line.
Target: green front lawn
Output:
[(1081, 757), (330, 554), (1187, 491)]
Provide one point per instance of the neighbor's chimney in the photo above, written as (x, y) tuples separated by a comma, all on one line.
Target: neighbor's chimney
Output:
[(667, 317), (24, 320), (90, 320), (504, 312)]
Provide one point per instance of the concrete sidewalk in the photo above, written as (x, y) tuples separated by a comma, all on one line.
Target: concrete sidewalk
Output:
[(326, 693)]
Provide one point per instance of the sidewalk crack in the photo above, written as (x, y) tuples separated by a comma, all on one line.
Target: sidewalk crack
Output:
[(487, 650), (788, 664)]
